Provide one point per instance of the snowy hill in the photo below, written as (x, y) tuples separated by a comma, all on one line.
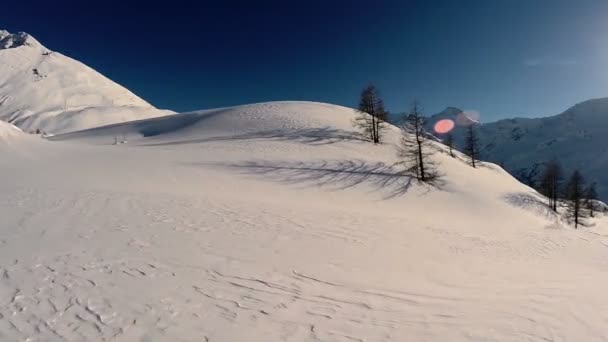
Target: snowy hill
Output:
[(42, 89), (575, 137), (276, 222), (13, 139), (8, 131), (263, 120)]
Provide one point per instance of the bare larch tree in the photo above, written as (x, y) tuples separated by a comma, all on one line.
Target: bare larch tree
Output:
[(415, 149), (590, 197), (575, 191), (372, 115), (471, 144), (550, 182), (449, 142)]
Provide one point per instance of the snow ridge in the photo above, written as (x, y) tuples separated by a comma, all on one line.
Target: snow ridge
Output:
[(42, 89), (10, 41)]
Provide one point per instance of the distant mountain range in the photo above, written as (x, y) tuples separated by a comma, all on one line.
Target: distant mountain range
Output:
[(576, 137)]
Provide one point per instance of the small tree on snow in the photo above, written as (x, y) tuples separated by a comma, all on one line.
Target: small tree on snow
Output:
[(449, 142), (414, 150), (471, 144), (590, 197), (372, 114), (550, 182), (575, 191)]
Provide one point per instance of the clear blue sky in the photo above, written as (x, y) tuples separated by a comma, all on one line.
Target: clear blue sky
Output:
[(500, 57)]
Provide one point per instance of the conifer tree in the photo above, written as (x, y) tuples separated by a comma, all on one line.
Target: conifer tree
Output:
[(590, 197), (415, 150), (372, 115), (575, 190), (550, 182), (471, 144), (449, 142)]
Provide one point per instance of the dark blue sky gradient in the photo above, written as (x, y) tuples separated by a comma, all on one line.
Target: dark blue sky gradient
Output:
[(500, 57)]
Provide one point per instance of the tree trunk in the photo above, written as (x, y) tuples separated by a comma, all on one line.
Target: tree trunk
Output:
[(420, 157)]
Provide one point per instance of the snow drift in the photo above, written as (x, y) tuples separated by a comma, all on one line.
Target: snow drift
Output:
[(9, 131)]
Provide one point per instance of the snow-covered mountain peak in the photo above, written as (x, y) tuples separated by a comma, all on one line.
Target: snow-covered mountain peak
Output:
[(522, 145), (448, 112), (13, 40), (41, 89)]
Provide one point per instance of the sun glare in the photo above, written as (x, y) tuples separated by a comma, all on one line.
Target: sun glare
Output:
[(444, 126)]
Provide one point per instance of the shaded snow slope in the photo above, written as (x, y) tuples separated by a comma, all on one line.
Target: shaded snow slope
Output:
[(9, 131), (276, 222), (14, 143), (263, 120), (42, 89), (13, 137)]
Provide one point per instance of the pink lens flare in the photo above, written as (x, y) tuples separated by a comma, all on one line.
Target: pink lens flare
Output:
[(444, 126)]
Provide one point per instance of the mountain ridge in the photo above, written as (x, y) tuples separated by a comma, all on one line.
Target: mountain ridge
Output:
[(13, 40), (44, 90), (523, 145)]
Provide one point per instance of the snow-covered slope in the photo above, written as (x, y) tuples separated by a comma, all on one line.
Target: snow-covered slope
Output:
[(42, 89), (17, 144), (265, 120), (276, 222), (575, 137), (13, 138), (9, 131)]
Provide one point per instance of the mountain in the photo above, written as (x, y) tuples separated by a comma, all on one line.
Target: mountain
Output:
[(42, 89), (575, 137), (277, 222)]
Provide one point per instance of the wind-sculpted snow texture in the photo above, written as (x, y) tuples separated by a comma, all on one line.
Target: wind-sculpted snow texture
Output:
[(277, 222)]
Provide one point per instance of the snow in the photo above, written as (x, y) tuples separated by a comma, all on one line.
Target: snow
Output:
[(276, 222), (11, 137), (9, 41), (8, 131), (42, 89), (575, 137)]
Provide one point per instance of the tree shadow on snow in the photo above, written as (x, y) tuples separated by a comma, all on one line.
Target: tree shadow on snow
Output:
[(333, 175), (310, 136), (531, 203), (537, 205)]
